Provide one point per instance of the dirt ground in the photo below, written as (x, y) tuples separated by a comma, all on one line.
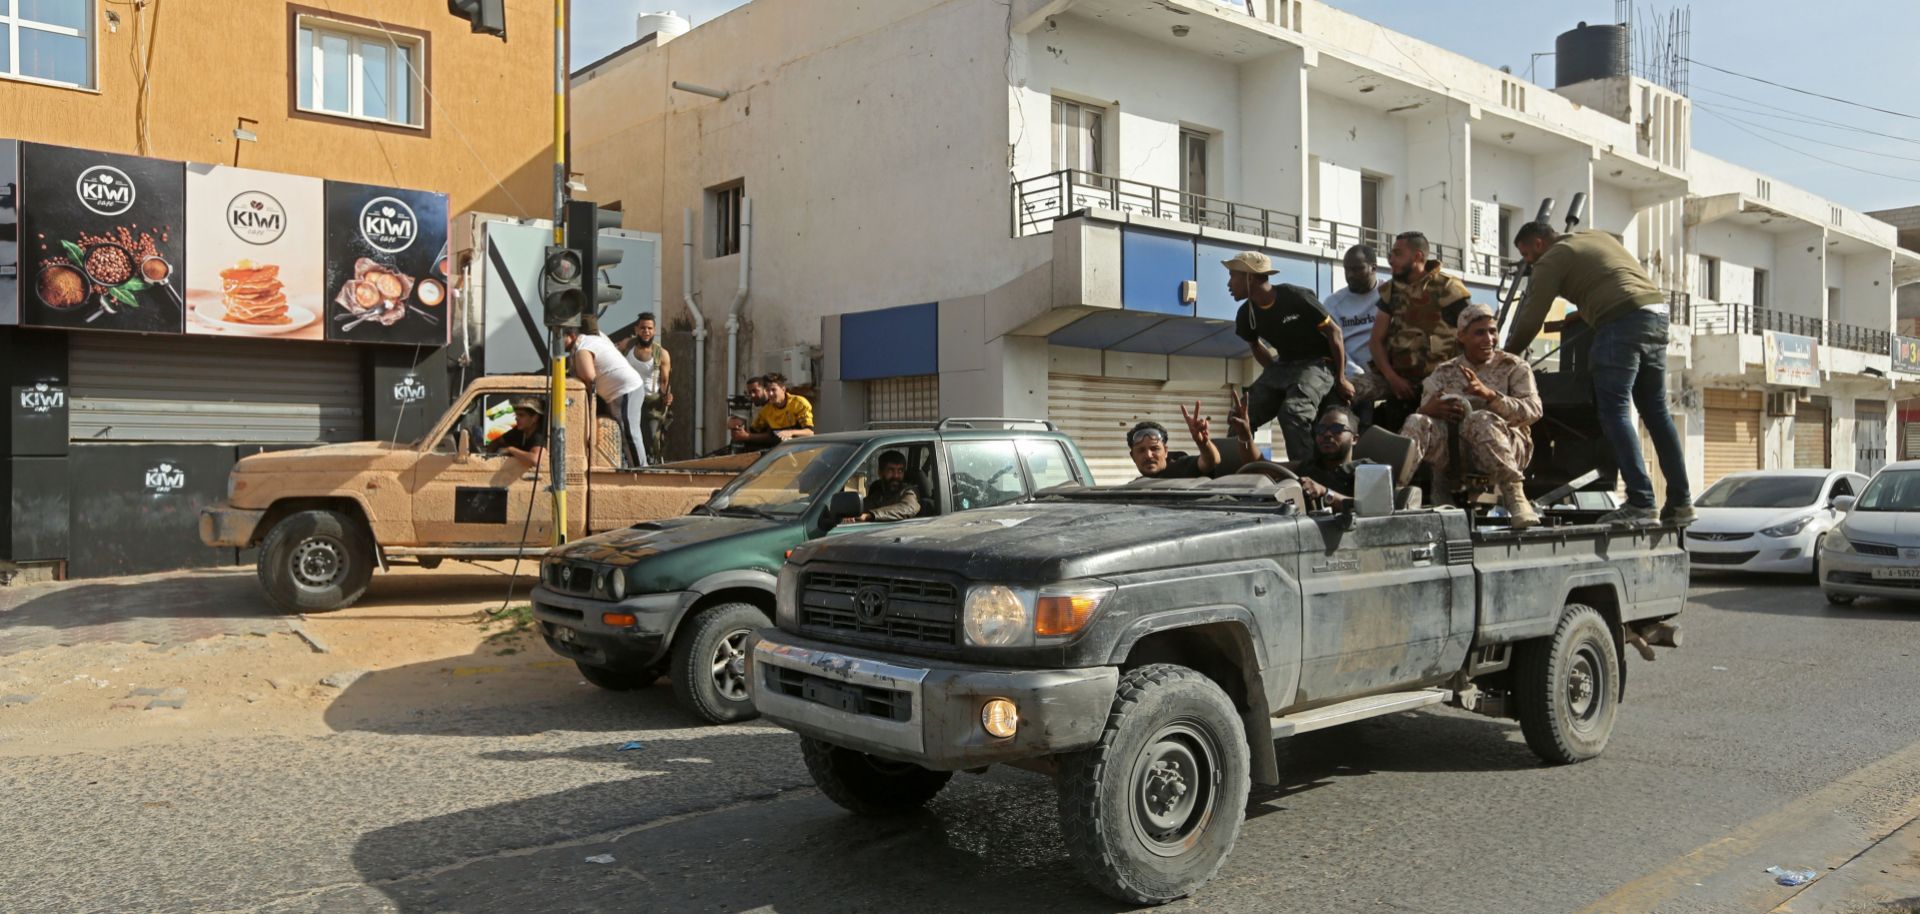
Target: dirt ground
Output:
[(126, 685)]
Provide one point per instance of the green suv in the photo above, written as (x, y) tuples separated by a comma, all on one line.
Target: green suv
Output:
[(679, 597)]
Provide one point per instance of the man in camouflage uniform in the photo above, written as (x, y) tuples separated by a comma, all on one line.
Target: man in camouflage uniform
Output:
[(1494, 431), (1421, 306)]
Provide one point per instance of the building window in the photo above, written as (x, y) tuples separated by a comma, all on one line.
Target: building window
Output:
[(1370, 202), (1759, 288), (1193, 175), (353, 71), (1710, 278), (1079, 136), (723, 217), (48, 41)]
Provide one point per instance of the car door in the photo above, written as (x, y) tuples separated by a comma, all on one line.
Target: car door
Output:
[(1382, 606), (474, 498)]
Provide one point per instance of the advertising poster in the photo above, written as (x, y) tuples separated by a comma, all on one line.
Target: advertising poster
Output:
[(255, 266), (102, 240), (1792, 361), (1906, 354), (386, 265), (9, 232)]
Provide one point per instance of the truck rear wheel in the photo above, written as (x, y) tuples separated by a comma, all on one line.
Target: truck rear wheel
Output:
[(709, 664), (1151, 811), (1568, 688), (869, 786), (313, 561)]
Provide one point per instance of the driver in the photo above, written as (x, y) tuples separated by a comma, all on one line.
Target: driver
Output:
[(1327, 476), (526, 441), (890, 497)]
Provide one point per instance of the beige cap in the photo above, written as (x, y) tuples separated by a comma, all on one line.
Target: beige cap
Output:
[(1472, 313), (530, 404), (1250, 262)]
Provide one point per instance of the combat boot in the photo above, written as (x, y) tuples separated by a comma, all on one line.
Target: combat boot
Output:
[(1520, 513)]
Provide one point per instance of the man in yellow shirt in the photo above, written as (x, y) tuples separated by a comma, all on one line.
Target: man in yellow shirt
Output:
[(784, 416)]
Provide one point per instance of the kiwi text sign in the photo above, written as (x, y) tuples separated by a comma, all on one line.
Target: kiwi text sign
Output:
[(386, 265)]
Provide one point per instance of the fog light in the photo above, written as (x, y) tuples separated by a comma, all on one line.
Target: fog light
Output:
[(1000, 718), (617, 620)]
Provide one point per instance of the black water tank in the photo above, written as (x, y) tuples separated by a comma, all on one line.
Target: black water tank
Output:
[(1590, 52)]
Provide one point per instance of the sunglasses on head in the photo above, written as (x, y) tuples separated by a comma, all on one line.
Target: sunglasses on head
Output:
[(1143, 435)]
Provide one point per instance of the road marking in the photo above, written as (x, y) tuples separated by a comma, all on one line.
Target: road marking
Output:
[(1821, 830)]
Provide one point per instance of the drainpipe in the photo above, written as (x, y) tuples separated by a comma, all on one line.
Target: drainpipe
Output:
[(739, 297), (699, 334)]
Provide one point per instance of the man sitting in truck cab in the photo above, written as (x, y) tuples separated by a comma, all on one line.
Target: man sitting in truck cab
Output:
[(526, 441), (1327, 476), (1494, 433), (1147, 444), (890, 497)]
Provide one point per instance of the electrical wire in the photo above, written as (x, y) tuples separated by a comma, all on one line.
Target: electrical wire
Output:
[(1763, 137), (1768, 110), (1715, 110), (1777, 85)]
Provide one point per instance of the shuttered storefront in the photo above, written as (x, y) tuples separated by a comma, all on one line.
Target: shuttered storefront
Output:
[(1869, 435), (1813, 435), (1097, 412), (1912, 445), (913, 398), (187, 389), (1733, 432)]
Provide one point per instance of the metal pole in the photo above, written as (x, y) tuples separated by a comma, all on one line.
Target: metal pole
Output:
[(557, 412)]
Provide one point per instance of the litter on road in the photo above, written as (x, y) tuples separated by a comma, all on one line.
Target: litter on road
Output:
[(600, 858), (1786, 876)]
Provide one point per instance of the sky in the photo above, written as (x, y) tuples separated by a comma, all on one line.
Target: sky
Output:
[(1858, 50)]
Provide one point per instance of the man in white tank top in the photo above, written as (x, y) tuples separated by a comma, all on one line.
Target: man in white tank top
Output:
[(601, 366), (646, 354)]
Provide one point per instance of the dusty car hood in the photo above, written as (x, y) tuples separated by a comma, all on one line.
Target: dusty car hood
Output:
[(1744, 520), (352, 455), (1050, 541), (622, 548), (1891, 528)]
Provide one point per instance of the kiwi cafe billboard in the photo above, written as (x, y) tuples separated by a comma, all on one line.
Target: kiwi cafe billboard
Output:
[(116, 242)]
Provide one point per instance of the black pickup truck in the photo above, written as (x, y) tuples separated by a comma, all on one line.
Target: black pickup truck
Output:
[(1147, 644)]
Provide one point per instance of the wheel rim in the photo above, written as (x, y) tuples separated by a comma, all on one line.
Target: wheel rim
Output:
[(318, 563), (1175, 787), (1586, 687), (730, 665)]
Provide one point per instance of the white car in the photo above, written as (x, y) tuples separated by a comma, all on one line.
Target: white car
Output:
[(1767, 520), (1875, 552)]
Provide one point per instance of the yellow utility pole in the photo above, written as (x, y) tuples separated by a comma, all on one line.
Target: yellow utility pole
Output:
[(557, 411)]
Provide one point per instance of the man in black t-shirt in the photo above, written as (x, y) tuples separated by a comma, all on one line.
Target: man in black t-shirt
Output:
[(1147, 445), (526, 441), (1308, 358), (1328, 473)]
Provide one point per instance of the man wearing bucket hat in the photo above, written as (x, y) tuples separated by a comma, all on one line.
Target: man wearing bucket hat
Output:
[(526, 441), (1308, 358), (1494, 431)]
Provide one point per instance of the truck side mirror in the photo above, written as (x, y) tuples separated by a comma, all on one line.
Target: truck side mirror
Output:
[(844, 504), (462, 447), (1843, 503), (1372, 490)]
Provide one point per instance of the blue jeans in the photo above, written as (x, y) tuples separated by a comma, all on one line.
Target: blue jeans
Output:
[(1630, 364)]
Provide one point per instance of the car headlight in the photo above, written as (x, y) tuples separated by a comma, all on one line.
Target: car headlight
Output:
[(617, 584), (999, 616), (1790, 528), (996, 616), (786, 597), (1837, 542), (232, 485)]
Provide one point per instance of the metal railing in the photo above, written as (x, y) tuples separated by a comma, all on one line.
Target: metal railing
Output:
[(1040, 200), (1729, 317)]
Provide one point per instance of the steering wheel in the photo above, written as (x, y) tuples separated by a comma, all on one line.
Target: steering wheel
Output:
[(1277, 472)]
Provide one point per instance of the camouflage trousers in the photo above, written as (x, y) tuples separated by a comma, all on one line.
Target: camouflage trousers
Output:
[(1494, 447)]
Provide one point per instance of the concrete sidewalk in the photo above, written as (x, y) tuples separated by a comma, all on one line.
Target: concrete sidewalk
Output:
[(1883, 879), (161, 609)]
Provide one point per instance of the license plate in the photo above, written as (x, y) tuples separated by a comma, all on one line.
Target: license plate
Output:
[(1896, 574), (844, 698), (563, 634)]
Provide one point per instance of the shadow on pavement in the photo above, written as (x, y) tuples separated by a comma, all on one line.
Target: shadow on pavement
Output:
[(1789, 595)]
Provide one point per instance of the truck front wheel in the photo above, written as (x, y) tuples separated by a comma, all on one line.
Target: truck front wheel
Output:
[(1568, 688), (312, 561), (866, 785), (1151, 811), (709, 663)]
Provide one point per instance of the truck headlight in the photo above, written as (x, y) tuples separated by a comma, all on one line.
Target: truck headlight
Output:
[(617, 584), (1789, 528), (996, 616), (786, 597), (232, 487)]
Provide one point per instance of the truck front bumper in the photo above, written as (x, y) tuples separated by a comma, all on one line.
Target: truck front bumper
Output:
[(573, 627), (229, 526), (910, 710)]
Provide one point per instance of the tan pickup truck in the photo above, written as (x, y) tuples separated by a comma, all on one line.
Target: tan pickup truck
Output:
[(324, 517)]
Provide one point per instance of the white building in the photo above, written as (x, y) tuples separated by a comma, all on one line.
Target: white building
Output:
[(989, 209)]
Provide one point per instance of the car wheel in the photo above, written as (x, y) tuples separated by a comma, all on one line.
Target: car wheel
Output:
[(313, 561), (1815, 569), (869, 786), (1151, 811), (1567, 686), (709, 668), (1840, 599)]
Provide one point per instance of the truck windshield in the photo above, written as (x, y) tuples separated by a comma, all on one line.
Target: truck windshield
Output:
[(786, 480), (1896, 491), (1761, 492)]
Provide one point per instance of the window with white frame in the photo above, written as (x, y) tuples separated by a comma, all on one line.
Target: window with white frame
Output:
[(1078, 136), (358, 72), (48, 41)]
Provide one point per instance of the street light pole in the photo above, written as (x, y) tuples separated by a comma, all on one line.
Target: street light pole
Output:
[(557, 411)]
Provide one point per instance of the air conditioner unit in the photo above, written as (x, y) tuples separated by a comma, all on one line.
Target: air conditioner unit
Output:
[(1783, 402), (795, 363), (1485, 229)]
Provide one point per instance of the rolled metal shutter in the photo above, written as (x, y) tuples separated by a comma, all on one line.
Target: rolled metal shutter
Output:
[(1733, 432), (1869, 436), (909, 398), (179, 389), (1812, 435), (1912, 451), (1097, 412)]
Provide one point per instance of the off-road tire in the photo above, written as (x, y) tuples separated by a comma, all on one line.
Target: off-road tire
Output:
[(868, 786), (1841, 599), (1162, 715), (314, 561), (618, 680), (1568, 686), (700, 684)]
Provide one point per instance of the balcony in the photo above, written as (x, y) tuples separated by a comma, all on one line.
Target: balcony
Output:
[(1845, 349), (1038, 201)]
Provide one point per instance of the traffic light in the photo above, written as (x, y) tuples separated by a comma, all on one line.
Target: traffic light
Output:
[(487, 17), (561, 294), (584, 222)]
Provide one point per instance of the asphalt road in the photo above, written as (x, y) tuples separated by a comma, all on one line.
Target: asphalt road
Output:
[(1785, 732)]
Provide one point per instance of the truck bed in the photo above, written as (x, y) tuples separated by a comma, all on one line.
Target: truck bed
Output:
[(1514, 570)]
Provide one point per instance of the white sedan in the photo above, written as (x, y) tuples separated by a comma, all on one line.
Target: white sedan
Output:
[(1875, 552), (1768, 520)]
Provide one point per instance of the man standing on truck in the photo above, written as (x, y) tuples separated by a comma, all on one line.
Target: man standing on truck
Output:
[(1308, 359), (597, 362), (1629, 316), (891, 497), (782, 416), (1494, 434), (650, 359), (1356, 308), (1421, 306)]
